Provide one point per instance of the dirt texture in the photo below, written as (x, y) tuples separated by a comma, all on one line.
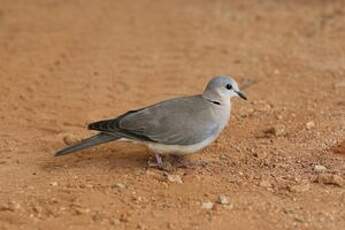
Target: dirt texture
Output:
[(280, 164)]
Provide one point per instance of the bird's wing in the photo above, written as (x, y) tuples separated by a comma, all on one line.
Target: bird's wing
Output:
[(180, 121)]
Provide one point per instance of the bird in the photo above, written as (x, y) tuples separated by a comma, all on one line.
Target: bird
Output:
[(177, 126)]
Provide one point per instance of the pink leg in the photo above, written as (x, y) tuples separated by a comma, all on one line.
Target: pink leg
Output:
[(159, 160)]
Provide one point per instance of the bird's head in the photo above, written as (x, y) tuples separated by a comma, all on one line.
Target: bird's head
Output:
[(223, 88)]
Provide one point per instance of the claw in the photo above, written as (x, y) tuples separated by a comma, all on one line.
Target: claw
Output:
[(159, 162), (165, 166)]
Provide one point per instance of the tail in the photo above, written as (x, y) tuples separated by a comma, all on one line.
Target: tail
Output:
[(89, 142)]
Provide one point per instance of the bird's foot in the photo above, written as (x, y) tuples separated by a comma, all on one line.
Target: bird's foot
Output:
[(175, 162), (183, 162), (160, 164)]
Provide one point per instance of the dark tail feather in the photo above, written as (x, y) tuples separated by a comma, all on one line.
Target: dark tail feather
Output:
[(89, 142)]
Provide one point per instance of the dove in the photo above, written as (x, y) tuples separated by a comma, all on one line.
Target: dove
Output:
[(177, 126)]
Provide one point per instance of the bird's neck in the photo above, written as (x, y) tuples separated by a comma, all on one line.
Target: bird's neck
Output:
[(221, 108), (216, 98)]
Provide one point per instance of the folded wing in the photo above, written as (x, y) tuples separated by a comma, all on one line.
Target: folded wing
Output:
[(181, 121)]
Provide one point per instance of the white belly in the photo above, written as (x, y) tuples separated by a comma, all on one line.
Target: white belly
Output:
[(179, 149)]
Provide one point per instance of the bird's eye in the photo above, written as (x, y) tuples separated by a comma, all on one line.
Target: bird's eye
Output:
[(229, 86)]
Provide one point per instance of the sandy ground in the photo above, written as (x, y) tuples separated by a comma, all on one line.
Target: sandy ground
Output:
[(280, 163)]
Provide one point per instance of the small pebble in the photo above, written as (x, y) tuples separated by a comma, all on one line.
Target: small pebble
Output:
[(70, 139), (54, 183), (277, 130), (118, 185), (80, 210), (174, 178), (115, 221), (125, 218), (207, 205), (298, 219), (222, 199), (260, 155), (319, 168), (310, 125), (279, 117)]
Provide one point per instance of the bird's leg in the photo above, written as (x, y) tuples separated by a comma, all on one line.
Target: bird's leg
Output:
[(159, 160), (158, 163), (166, 166)]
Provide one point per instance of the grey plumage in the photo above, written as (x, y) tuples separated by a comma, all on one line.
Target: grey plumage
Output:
[(179, 125)]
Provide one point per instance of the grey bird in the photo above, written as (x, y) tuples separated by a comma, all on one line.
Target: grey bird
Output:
[(177, 126)]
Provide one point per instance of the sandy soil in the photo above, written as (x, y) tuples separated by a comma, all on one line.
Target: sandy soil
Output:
[(280, 162)]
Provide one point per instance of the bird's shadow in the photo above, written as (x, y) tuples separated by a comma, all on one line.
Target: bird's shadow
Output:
[(106, 157)]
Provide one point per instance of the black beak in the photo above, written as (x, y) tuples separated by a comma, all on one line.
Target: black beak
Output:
[(241, 95)]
